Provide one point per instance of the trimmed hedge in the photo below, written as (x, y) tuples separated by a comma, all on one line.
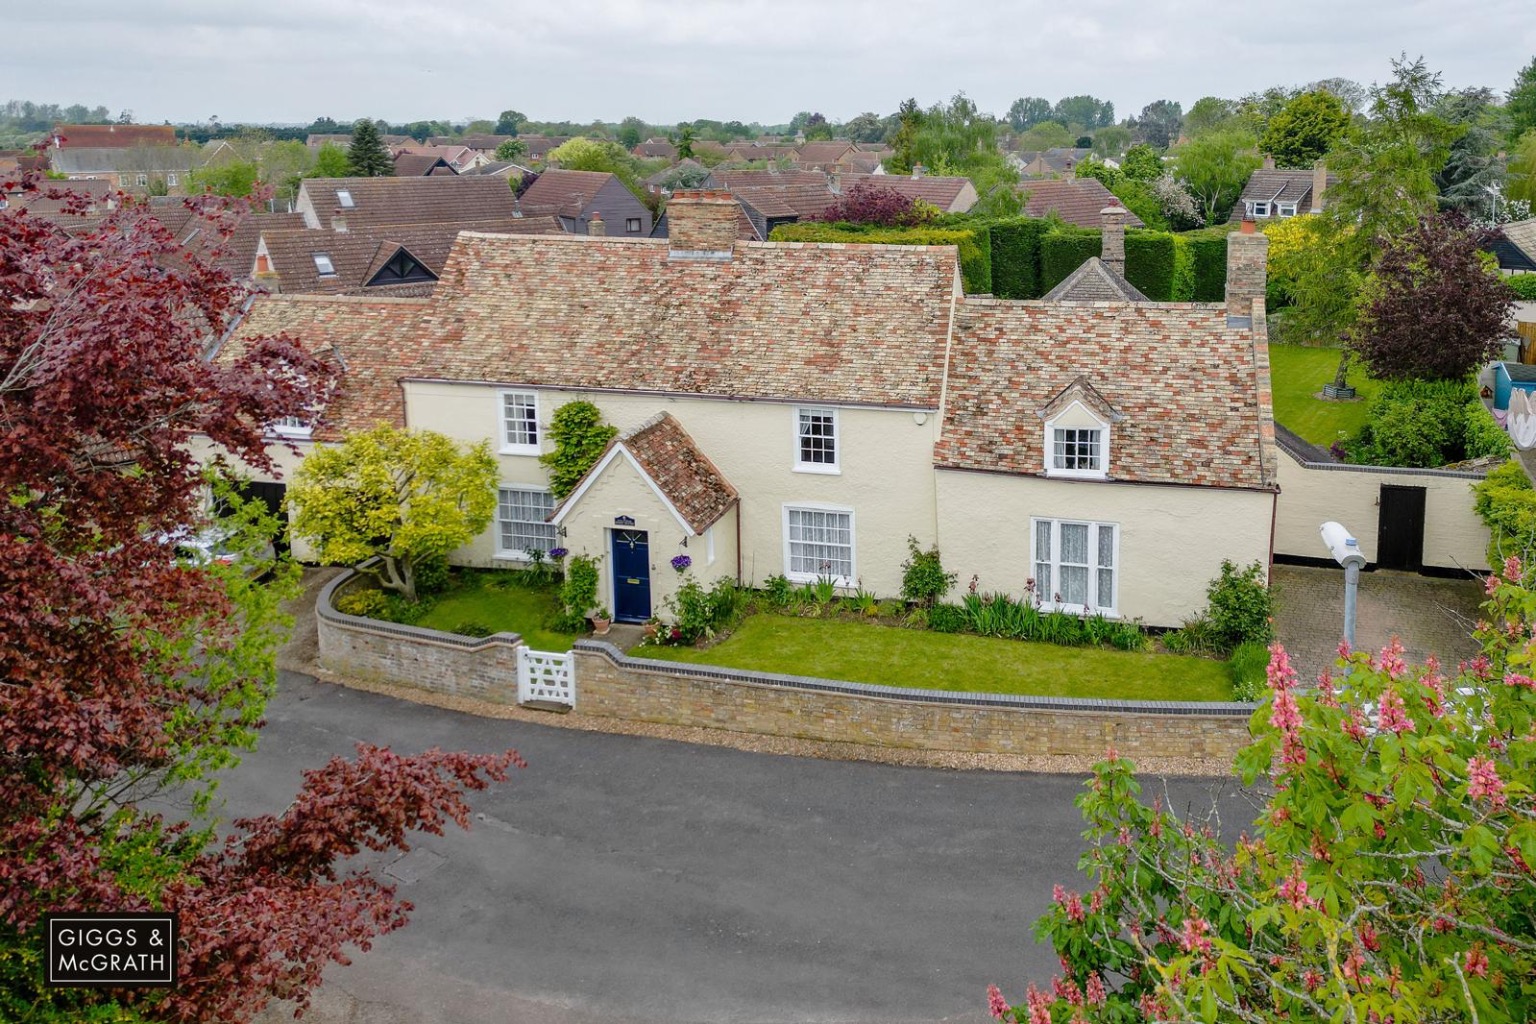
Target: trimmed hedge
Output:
[(1160, 264), (1507, 504), (1063, 251), (1016, 257), (1208, 258), (974, 243), (1524, 286)]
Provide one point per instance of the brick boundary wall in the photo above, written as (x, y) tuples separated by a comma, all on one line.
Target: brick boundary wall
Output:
[(611, 685), (362, 648)]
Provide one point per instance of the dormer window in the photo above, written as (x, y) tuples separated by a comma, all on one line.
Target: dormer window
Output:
[(1078, 422), (1259, 209), (1285, 209), (344, 199)]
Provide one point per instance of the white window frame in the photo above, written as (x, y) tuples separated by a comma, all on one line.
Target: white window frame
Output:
[(509, 447), (321, 268), (1285, 209), (1054, 424), (833, 468), (141, 180), (1046, 590), (171, 180), (520, 554), (853, 542), (294, 427), (1260, 209)]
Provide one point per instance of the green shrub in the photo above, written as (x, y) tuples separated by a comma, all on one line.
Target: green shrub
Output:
[(700, 614), (923, 579), (1241, 606), (1016, 257), (1524, 286), (779, 591), (580, 438), (1416, 424), (1484, 436), (1150, 264), (1128, 636), (947, 618), (473, 627), (1507, 504), (1196, 636), (972, 241), (578, 594), (1208, 263), (1061, 628), (406, 613), (368, 604), (1249, 664), (432, 575)]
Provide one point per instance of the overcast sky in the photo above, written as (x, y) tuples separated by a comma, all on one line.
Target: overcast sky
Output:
[(670, 60)]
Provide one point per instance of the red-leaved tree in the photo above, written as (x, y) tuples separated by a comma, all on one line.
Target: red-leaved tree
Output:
[(867, 203), (1433, 309), (123, 673)]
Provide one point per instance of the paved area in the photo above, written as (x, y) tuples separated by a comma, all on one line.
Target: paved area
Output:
[(627, 879), (1430, 615)]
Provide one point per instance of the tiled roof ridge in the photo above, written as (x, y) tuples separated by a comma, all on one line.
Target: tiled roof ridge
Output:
[(357, 300), (1094, 267)]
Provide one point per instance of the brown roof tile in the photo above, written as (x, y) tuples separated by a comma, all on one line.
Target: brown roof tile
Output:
[(564, 192), (1186, 383), (855, 324), (943, 192), (684, 474), (431, 200), (114, 136), (1094, 282), (1075, 200), (372, 340)]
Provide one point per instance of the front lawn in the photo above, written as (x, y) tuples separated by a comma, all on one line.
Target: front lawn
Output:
[(862, 652), (1298, 373), (495, 601)]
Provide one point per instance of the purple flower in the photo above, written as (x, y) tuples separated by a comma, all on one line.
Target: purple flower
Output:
[(681, 562), (558, 553)]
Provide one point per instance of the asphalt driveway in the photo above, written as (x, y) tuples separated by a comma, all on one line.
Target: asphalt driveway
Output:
[(620, 878)]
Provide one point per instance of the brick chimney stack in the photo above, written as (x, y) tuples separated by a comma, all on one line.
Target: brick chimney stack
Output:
[(595, 225), (701, 220), (339, 223), (1247, 268), (918, 170), (1269, 161), (1319, 185), (1112, 250)]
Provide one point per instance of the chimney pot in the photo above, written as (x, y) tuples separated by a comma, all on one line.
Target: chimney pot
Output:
[(1248, 226), (918, 170), (1112, 234), (338, 223), (595, 225), (1269, 161)]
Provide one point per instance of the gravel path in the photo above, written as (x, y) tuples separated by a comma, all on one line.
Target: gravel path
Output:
[(301, 653)]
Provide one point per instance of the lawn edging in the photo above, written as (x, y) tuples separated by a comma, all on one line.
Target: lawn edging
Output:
[(611, 684), (431, 659)]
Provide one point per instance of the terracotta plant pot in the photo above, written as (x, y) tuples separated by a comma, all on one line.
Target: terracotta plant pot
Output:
[(600, 626), (651, 629)]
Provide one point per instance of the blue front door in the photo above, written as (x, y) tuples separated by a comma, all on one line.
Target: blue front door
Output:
[(631, 576)]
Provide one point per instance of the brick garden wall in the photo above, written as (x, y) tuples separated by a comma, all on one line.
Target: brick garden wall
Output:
[(484, 668), (611, 685)]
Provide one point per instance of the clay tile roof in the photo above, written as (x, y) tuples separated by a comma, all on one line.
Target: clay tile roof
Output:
[(418, 165), (822, 152), (684, 474), (114, 136), (652, 148), (939, 191), (848, 324), (1095, 282), (1075, 200), (564, 192), (431, 200), (1186, 383), (1269, 185), (372, 340), (729, 179)]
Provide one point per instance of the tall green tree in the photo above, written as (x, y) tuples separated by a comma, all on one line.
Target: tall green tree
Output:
[(1522, 169), (510, 122), (1110, 143), (1305, 129), (631, 132), (909, 118), (1215, 167), (367, 157), (236, 179), (867, 127), (1142, 163), (1472, 179), (1159, 123), (685, 141), (330, 162), (1028, 111), (512, 149), (393, 495), (1209, 114), (1520, 106), (1084, 112)]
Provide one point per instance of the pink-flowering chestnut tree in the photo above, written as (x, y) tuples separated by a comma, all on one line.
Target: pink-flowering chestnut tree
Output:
[(1387, 879)]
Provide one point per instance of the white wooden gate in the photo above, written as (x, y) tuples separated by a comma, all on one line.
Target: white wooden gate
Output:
[(542, 675)]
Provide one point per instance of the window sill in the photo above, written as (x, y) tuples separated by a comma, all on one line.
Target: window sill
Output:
[(841, 582), (1080, 610), (520, 449), (1076, 474), (290, 435), (520, 557), (817, 470)]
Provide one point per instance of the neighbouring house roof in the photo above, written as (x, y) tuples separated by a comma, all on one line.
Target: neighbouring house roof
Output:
[(501, 169), (430, 200), (372, 340), (1520, 236), (1075, 200), (748, 151), (851, 324), (138, 159), (1270, 185), (746, 228), (566, 193), (113, 136), (822, 154), (482, 143), (419, 165), (39, 204), (664, 452), (1186, 383), (1093, 281), (540, 145), (861, 163), (734, 179), (316, 140), (356, 256), (942, 192), (666, 173), (798, 202), (652, 148)]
